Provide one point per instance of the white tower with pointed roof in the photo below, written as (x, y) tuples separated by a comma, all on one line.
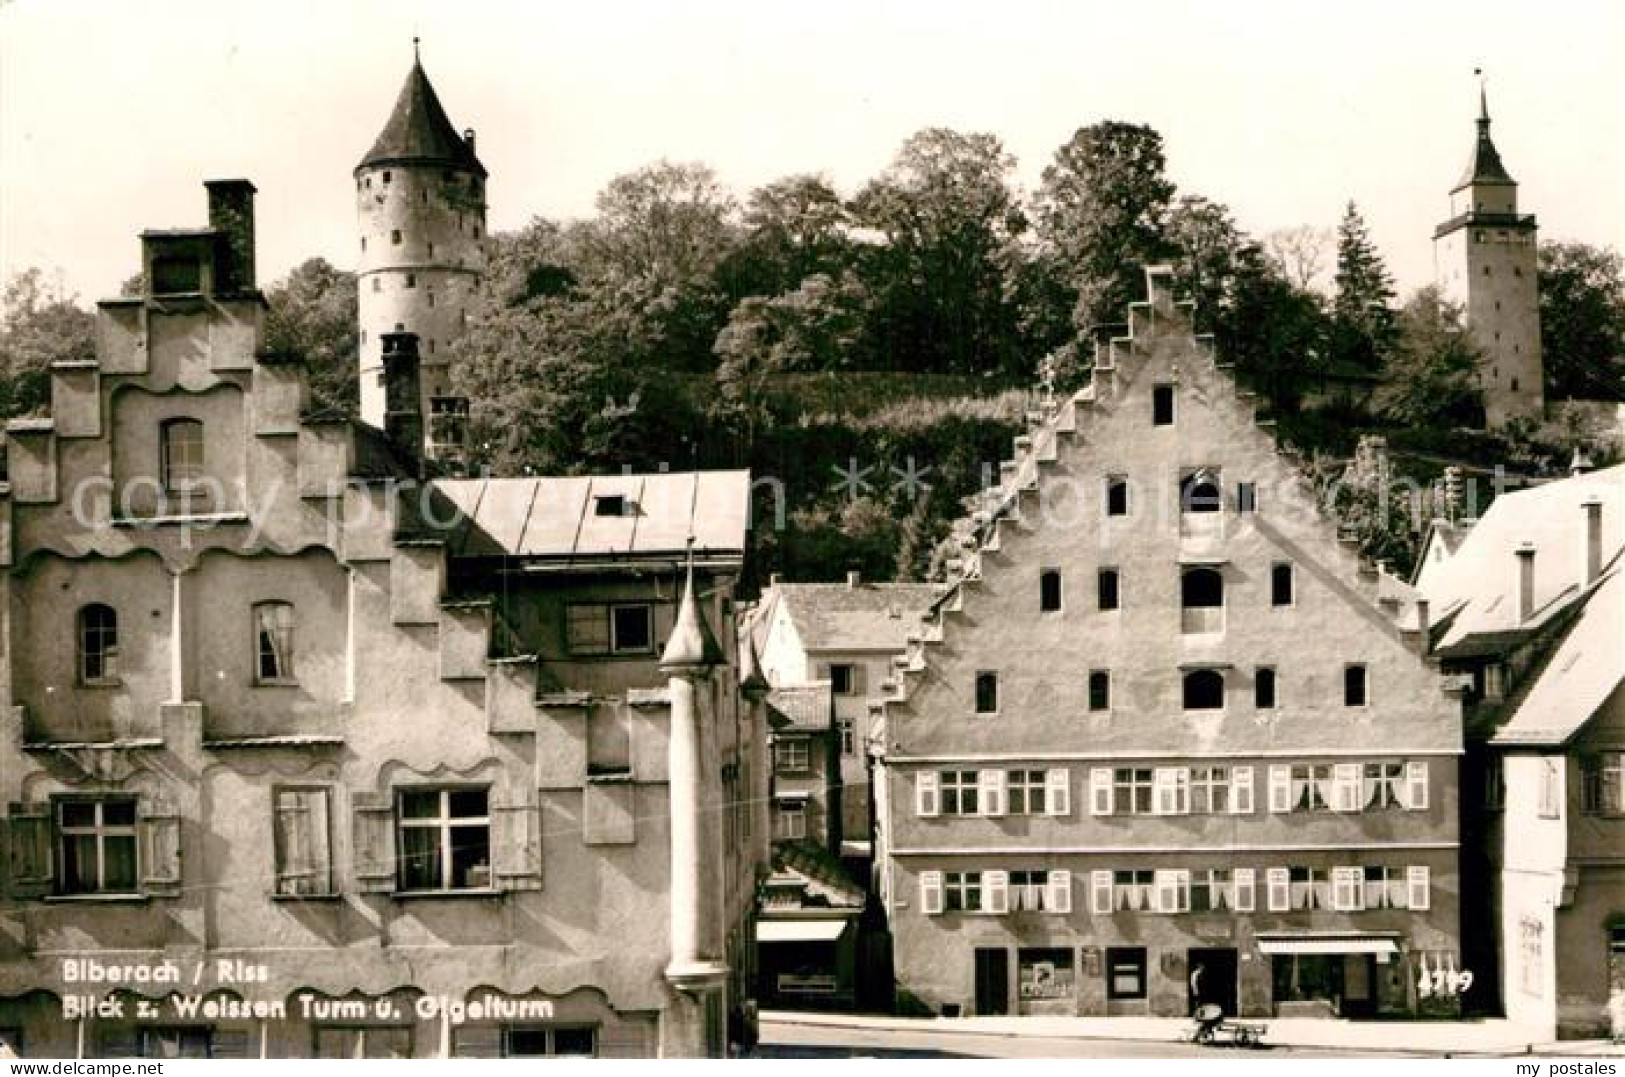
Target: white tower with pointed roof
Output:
[(420, 204), (1484, 260)]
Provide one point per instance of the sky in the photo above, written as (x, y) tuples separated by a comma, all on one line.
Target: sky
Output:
[(113, 113)]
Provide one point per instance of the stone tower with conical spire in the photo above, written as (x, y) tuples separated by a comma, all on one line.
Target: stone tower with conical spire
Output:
[(1484, 260), (420, 204)]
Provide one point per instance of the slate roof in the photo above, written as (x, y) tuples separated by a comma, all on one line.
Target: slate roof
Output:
[(1484, 167), (861, 617), (556, 518), (419, 131), (1482, 578), (1578, 677), (808, 708)]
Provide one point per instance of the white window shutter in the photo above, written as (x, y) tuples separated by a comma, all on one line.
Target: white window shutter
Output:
[(990, 786), (1342, 890), (1058, 792), (931, 892), (1244, 897), (1417, 888), (1280, 789), (1241, 790), (858, 670), (31, 849), (1346, 787), (1416, 786), (1165, 886), (996, 889), (1059, 898), (372, 842), (1100, 791), (1278, 889), (927, 801), (1100, 892)]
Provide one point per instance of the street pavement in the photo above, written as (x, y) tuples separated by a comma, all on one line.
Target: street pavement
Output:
[(787, 1034)]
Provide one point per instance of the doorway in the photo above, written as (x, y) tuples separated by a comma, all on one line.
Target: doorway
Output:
[(992, 982), (1211, 978)]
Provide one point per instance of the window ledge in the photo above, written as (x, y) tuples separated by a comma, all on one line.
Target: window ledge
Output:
[(276, 684), (98, 899), (415, 895), (295, 898), (198, 519)]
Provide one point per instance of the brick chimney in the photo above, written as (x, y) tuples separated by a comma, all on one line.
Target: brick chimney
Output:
[(231, 213), (403, 401), (1592, 507), (853, 579), (1526, 582)]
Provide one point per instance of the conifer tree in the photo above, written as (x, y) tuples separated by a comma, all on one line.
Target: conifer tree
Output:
[(1364, 326)]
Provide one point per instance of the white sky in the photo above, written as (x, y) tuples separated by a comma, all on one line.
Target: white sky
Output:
[(113, 113)]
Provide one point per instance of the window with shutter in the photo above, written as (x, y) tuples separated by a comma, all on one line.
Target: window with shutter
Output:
[(1278, 889), (926, 801), (992, 787), (1100, 791), (1100, 893), (516, 846), (1241, 790), (29, 859), (1346, 787), (996, 885), (1059, 898), (302, 841), (1280, 789), (1243, 880), (1417, 887), (373, 842), (1347, 888), (1058, 792), (1173, 888), (931, 892), (1416, 786)]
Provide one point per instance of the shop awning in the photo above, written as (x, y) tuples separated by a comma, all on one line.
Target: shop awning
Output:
[(799, 930), (1326, 944)]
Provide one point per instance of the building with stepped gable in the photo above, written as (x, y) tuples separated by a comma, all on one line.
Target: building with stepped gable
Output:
[(307, 753), (1484, 260), (420, 204), (1166, 741)]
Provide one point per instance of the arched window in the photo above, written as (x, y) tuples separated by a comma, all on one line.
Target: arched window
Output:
[(98, 645), (273, 642), (1200, 492), (182, 446), (1204, 690)]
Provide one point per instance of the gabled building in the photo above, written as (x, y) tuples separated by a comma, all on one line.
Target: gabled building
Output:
[(1531, 612), (1167, 741), (306, 753), (849, 635), (806, 766)]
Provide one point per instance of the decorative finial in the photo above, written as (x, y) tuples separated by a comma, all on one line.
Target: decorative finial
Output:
[(1483, 95), (417, 56)]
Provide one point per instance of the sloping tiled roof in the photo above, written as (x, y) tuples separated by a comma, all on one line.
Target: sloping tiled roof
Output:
[(557, 519), (1482, 577), (826, 879), (809, 708), (1585, 669), (1485, 164), (419, 131), (856, 617)]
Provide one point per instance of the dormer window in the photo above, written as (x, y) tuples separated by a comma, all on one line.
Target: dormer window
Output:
[(182, 447), (612, 505)]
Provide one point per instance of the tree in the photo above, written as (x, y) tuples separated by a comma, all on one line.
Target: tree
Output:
[(313, 315), (794, 228), (1100, 212), (950, 222), (40, 324), (1299, 254), (1432, 378), (1582, 321), (1363, 325)]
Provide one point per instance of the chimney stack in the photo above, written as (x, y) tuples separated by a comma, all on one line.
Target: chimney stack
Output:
[(231, 213), (403, 404), (853, 579), (1526, 582), (1424, 624), (1592, 506), (774, 579)]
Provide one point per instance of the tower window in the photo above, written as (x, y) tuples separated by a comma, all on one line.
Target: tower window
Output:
[(431, 299), (411, 280), (377, 285), (386, 175), (395, 236), (363, 242), (1162, 405), (1204, 690), (987, 692), (474, 230), (1486, 271), (1514, 384), (98, 645), (431, 250), (1049, 591)]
